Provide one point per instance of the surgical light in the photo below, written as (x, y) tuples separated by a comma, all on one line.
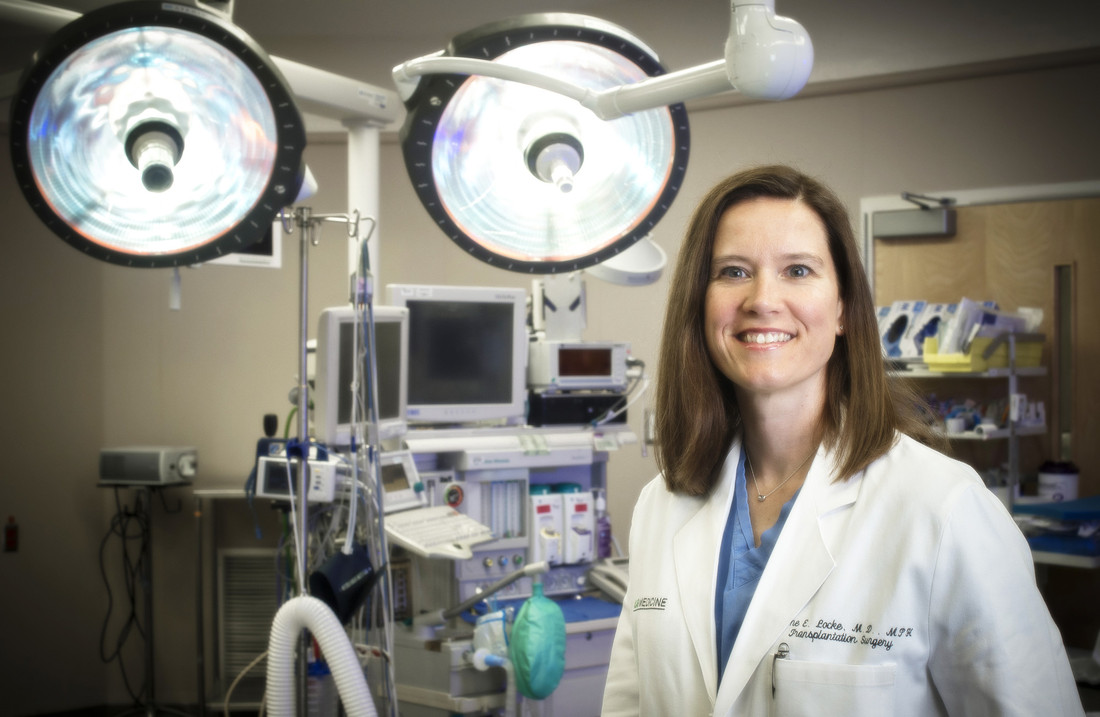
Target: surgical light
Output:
[(156, 134), (554, 142), (529, 180)]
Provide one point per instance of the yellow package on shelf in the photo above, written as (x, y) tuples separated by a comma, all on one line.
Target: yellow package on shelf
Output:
[(1028, 353)]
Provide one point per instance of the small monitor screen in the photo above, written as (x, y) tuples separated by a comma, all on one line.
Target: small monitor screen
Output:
[(584, 362), (394, 477), (460, 352), (388, 338), (278, 477), (401, 485), (338, 331)]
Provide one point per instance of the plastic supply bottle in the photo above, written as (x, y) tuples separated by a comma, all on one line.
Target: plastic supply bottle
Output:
[(603, 527)]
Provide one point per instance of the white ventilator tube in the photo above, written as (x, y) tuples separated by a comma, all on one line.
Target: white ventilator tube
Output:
[(306, 612)]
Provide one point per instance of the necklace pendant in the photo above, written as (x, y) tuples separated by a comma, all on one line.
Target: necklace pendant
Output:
[(760, 498)]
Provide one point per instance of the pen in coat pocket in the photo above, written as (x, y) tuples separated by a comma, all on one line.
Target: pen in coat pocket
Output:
[(781, 653)]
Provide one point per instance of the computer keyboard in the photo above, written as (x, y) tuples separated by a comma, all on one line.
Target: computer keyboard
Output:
[(436, 531)]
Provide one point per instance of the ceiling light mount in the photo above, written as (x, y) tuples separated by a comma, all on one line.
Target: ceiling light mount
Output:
[(156, 134)]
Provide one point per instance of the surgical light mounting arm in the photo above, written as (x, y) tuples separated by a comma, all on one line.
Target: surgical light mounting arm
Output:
[(766, 57)]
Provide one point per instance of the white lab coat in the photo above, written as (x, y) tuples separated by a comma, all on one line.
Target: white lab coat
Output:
[(905, 590)]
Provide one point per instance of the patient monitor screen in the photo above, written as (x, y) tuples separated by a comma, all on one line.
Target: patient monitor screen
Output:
[(388, 337), (394, 477), (460, 352), (401, 486)]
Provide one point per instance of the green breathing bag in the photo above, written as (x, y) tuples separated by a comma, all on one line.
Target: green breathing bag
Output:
[(537, 650)]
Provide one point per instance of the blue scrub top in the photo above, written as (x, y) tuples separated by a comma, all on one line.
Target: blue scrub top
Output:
[(740, 564)]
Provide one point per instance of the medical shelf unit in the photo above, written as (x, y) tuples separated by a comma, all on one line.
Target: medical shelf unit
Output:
[(1012, 373)]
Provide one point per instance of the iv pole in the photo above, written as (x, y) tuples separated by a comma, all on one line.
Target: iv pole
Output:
[(306, 222)]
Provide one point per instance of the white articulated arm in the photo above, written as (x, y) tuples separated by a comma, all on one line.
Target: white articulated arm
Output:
[(767, 56)]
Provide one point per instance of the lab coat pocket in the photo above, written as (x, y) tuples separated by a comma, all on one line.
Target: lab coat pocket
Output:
[(817, 688)]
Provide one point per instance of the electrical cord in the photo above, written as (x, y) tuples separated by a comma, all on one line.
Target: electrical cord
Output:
[(299, 575), (122, 525), (240, 676), (365, 411), (636, 386), (164, 504), (621, 406)]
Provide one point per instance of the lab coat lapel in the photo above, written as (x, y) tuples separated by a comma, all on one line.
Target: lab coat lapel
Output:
[(695, 552), (796, 570)]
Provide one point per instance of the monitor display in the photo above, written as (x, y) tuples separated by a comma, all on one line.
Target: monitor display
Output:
[(467, 353), (401, 484), (584, 361), (267, 251), (578, 365), (341, 341), (277, 479)]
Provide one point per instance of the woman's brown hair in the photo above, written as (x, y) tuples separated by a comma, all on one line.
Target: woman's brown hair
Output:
[(696, 409)]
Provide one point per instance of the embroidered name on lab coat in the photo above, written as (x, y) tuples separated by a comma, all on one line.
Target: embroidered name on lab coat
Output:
[(860, 634), (650, 603)]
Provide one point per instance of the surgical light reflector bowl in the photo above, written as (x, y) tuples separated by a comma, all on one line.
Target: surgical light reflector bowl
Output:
[(151, 134), (529, 180)]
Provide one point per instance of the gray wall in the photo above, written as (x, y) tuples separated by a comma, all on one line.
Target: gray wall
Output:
[(93, 355)]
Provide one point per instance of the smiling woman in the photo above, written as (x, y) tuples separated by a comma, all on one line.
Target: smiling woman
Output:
[(857, 578), (698, 408), (773, 304)]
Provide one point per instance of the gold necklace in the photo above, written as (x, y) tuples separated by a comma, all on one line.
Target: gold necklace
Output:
[(761, 496)]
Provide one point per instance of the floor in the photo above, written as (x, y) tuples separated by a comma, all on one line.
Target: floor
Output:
[(1090, 699)]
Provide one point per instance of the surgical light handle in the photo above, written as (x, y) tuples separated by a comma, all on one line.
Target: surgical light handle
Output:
[(766, 57)]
